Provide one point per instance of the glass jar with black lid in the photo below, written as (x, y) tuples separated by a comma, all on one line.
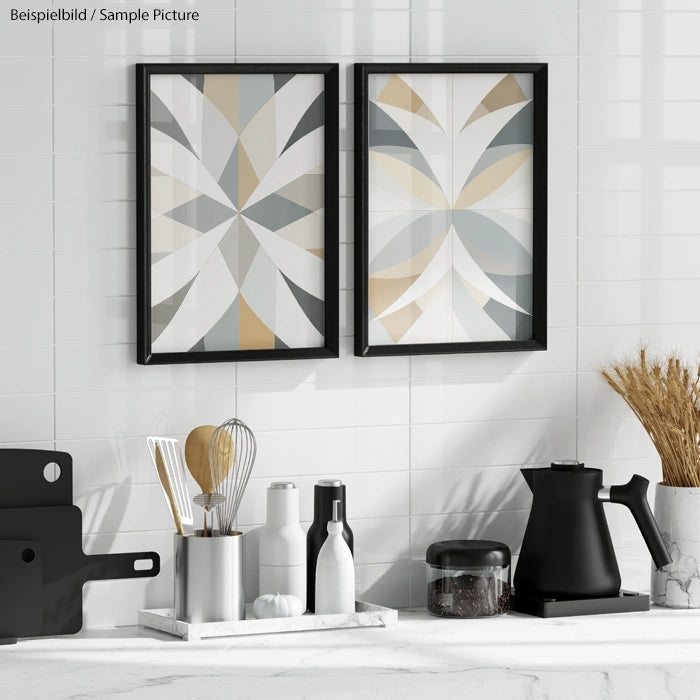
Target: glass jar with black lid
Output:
[(468, 578)]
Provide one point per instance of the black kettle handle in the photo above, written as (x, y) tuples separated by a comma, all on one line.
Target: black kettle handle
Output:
[(633, 494)]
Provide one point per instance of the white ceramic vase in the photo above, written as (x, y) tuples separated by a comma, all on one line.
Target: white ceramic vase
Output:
[(677, 511)]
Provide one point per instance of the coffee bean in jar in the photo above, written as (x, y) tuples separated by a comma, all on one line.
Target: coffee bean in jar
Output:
[(468, 578)]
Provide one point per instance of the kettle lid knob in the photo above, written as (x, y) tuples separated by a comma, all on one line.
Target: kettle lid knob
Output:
[(567, 465)]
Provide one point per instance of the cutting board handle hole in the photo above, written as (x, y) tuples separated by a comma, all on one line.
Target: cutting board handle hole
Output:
[(144, 564), (52, 472), (28, 555)]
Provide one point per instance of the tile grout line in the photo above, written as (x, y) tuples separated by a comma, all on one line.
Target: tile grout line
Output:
[(578, 214), (53, 225), (410, 382), (410, 476), (235, 60), (410, 31)]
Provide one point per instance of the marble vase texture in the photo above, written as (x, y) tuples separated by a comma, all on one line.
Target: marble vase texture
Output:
[(677, 511)]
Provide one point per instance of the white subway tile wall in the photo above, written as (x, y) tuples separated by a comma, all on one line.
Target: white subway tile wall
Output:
[(430, 447)]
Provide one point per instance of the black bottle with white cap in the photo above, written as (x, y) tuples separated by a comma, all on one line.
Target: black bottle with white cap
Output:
[(325, 492)]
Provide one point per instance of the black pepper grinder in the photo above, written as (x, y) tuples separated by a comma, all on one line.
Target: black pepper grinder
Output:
[(325, 492)]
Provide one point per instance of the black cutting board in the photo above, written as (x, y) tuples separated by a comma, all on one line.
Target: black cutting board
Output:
[(65, 568), (22, 481), (20, 586), (42, 564)]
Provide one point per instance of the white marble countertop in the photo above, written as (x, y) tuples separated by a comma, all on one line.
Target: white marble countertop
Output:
[(653, 655)]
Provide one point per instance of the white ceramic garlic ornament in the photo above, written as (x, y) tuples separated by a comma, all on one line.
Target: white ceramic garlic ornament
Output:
[(277, 605)]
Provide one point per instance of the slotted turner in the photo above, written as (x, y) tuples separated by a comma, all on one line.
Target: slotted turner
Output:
[(166, 454)]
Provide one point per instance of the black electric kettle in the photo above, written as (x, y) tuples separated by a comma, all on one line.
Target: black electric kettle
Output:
[(567, 551)]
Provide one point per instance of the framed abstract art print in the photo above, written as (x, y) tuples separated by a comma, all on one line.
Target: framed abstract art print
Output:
[(237, 206), (450, 208)]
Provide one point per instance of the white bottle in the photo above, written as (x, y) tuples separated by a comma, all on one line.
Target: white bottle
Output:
[(335, 571), (283, 544)]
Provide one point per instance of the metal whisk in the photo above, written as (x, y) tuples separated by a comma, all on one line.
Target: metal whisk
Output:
[(232, 451)]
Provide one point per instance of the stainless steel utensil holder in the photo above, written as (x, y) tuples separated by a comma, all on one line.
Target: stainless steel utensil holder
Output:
[(209, 582)]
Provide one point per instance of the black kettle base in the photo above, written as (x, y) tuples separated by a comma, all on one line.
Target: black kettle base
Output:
[(625, 601)]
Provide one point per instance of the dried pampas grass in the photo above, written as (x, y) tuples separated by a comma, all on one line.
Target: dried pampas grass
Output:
[(664, 394)]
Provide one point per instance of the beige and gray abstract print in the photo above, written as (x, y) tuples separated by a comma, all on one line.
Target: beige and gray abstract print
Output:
[(450, 207), (237, 199)]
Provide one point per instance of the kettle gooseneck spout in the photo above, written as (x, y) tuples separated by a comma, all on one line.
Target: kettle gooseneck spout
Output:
[(529, 476)]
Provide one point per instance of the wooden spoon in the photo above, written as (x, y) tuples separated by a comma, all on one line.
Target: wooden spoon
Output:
[(197, 458)]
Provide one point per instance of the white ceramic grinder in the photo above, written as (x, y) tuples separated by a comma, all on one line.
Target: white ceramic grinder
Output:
[(283, 544)]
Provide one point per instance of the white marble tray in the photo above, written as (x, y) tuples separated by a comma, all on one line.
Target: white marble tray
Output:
[(365, 615)]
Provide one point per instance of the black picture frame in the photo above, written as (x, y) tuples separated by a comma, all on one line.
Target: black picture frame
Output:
[(538, 341), (144, 73)]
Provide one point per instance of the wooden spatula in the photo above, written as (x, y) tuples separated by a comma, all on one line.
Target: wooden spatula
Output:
[(168, 489)]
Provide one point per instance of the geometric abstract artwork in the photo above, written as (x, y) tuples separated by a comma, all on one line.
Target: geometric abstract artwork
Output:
[(238, 239), (451, 203)]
